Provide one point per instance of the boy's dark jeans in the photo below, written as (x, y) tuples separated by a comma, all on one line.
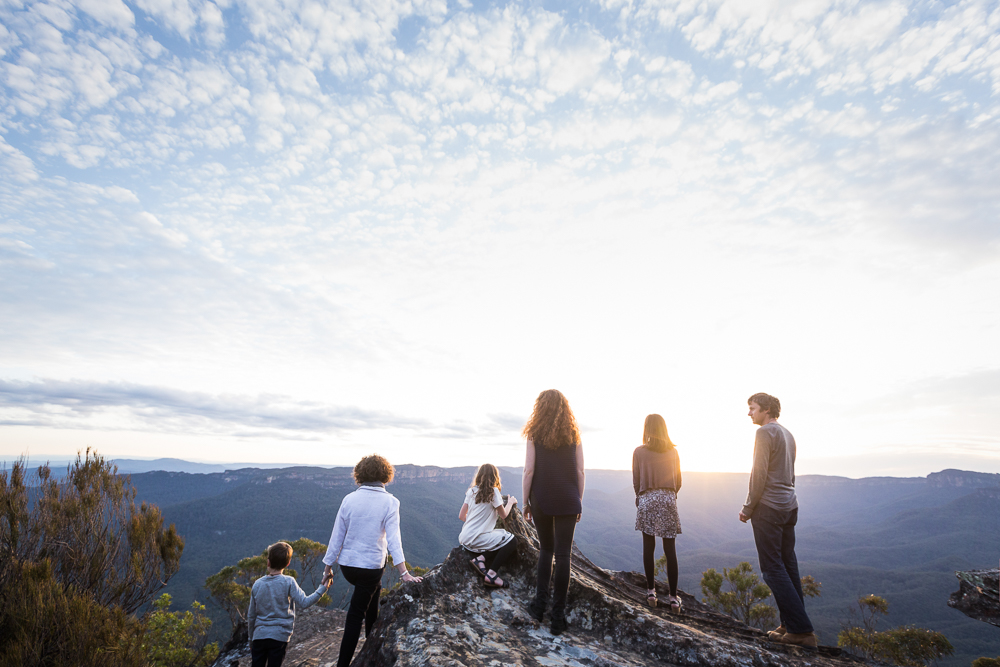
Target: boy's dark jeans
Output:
[(774, 534), (364, 607), (267, 652), (555, 538)]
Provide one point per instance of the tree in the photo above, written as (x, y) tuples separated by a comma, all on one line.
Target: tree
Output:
[(744, 599), (178, 639), (906, 645), (78, 558), (986, 662)]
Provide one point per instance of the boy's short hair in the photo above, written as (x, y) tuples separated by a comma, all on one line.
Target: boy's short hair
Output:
[(279, 555), (767, 403), (373, 468)]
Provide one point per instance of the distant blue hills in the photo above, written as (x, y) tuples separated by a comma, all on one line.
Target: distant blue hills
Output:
[(901, 538)]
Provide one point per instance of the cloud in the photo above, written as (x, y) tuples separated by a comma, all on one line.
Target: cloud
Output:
[(80, 404)]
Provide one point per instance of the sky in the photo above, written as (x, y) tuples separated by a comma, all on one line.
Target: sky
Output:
[(298, 231)]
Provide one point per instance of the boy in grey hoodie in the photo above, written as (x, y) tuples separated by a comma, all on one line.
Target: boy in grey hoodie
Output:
[(273, 600)]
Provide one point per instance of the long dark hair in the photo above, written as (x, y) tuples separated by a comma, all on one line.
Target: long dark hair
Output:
[(487, 479), (552, 424), (654, 434)]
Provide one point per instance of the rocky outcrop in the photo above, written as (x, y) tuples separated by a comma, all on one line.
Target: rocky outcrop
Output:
[(978, 595), (451, 619)]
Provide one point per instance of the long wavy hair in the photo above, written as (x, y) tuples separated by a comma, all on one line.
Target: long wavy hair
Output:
[(654, 434), (487, 479), (552, 424)]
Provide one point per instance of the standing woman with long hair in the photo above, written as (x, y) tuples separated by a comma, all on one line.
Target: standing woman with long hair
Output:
[(656, 478), (553, 494)]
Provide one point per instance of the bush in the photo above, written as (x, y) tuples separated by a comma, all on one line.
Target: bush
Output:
[(77, 559), (907, 646), (986, 662), (744, 599), (178, 639)]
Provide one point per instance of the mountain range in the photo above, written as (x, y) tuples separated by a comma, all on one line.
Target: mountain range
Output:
[(900, 538)]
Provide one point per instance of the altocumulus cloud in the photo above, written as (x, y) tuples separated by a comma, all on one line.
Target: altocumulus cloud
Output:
[(115, 405)]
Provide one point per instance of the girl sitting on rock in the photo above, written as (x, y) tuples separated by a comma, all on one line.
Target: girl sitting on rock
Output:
[(483, 506)]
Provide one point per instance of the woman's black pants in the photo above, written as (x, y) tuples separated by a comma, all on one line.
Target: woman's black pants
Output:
[(364, 607), (555, 538)]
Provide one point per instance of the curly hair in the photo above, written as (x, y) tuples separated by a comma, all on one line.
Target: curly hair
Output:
[(767, 403), (279, 555), (654, 434), (487, 479), (552, 424), (373, 468)]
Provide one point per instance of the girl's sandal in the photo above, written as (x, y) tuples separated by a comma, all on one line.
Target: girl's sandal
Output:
[(491, 581), (478, 565), (675, 604), (651, 599)]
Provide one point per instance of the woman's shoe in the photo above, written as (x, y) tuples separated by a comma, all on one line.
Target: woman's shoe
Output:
[(675, 603), (536, 610), (491, 581), (559, 625), (478, 565), (651, 598)]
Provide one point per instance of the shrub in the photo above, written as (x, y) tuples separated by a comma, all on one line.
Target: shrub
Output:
[(907, 646), (744, 598), (78, 558), (178, 639)]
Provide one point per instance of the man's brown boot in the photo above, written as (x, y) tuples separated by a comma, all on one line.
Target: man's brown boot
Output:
[(777, 633), (803, 639)]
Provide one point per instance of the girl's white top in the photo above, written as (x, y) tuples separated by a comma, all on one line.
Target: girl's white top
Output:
[(480, 532), (367, 526)]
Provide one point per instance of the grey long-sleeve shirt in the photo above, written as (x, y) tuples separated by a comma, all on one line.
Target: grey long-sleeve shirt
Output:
[(772, 480), (273, 600)]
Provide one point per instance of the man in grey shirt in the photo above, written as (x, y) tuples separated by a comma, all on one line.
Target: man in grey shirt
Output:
[(773, 509)]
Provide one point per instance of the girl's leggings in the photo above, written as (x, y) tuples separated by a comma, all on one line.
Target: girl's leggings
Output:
[(648, 549)]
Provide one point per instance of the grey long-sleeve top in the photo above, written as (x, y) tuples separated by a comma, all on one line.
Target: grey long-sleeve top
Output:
[(273, 600), (772, 480)]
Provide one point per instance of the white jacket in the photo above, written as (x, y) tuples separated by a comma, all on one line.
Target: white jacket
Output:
[(367, 526)]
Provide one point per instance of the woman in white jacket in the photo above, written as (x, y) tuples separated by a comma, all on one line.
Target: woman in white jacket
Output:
[(367, 527)]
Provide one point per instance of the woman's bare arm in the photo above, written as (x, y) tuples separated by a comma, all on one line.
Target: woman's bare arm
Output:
[(465, 511), (529, 474)]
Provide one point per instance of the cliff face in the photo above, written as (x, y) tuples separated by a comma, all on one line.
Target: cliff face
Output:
[(450, 619), (978, 595)]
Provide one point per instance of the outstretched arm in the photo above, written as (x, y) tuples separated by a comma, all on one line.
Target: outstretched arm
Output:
[(504, 510)]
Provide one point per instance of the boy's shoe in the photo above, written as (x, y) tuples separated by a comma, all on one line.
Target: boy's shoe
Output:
[(803, 639), (777, 633), (536, 610), (558, 625)]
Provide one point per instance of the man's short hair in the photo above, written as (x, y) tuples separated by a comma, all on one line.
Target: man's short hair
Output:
[(767, 403), (279, 555), (373, 468)]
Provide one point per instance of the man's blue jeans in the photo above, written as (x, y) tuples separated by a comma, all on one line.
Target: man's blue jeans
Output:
[(774, 534)]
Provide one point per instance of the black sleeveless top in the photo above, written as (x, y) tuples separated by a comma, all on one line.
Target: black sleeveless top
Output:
[(555, 487)]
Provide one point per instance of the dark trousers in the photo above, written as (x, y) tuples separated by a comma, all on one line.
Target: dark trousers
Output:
[(649, 551), (267, 652), (497, 557), (364, 607), (774, 534), (555, 538)]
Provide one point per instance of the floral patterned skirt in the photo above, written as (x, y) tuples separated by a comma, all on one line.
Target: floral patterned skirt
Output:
[(657, 513)]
